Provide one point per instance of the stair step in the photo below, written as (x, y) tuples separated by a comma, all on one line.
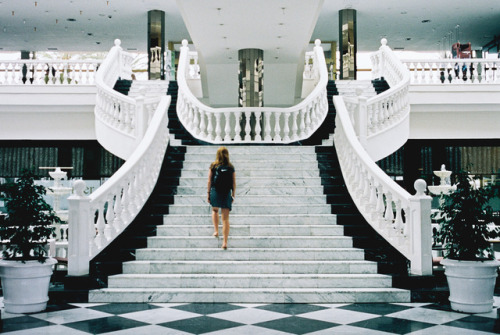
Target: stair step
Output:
[(254, 219), (253, 230), (250, 267), (250, 280), (256, 181), (254, 200), (251, 242), (262, 173), (247, 254), (254, 209), (255, 164), (250, 295), (256, 190)]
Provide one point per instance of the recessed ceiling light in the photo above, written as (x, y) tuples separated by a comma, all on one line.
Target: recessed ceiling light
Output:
[(426, 21), (71, 20), (404, 12), (408, 38), (399, 48), (52, 49)]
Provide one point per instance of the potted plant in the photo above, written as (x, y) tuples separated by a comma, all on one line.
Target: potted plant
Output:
[(466, 228), (26, 269)]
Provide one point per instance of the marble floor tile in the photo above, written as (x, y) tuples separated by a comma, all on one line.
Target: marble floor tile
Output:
[(247, 316), (160, 315), (427, 315), (71, 315), (297, 325), (340, 316), (392, 325), (201, 325)]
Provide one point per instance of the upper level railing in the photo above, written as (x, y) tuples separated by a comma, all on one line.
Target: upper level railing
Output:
[(382, 122), (454, 71), (121, 121), (48, 72), (252, 124)]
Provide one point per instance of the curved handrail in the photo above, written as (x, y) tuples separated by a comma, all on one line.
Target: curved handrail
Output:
[(121, 121), (374, 117), (252, 124), (96, 220), (403, 220)]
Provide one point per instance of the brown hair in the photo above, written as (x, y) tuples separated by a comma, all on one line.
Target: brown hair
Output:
[(221, 158)]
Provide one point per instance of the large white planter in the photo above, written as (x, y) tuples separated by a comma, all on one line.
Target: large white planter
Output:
[(26, 285), (472, 284)]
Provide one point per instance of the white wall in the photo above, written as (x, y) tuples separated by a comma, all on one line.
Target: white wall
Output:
[(459, 111), (223, 84), (47, 112)]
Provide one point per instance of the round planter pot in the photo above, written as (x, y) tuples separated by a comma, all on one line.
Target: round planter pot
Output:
[(26, 285), (471, 284)]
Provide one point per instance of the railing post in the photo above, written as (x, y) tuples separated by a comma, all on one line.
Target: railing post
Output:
[(78, 231), (420, 231)]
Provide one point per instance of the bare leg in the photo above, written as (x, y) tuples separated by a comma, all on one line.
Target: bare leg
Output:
[(215, 221), (225, 226)]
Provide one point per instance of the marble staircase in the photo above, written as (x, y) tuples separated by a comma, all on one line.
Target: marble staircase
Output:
[(284, 244)]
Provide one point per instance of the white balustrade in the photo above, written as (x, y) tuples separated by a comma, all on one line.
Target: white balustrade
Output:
[(48, 72), (454, 71), (121, 121), (251, 124), (402, 219), (373, 118), (96, 220)]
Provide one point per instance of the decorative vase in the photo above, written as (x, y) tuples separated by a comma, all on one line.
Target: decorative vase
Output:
[(472, 284), (26, 285)]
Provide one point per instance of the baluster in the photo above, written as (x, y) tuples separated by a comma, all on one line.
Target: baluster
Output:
[(295, 116), (258, 130), (110, 213), (100, 226), (203, 130), (286, 128), (125, 202), (237, 126), (406, 226), (372, 201), (210, 127), (267, 134), (379, 210), (277, 127), (301, 121), (248, 128), (196, 120), (117, 209), (218, 128), (389, 215), (398, 222), (307, 121), (227, 128)]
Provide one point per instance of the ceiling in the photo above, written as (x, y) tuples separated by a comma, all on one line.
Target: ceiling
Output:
[(92, 25)]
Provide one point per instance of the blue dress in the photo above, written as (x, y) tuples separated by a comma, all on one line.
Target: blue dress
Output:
[(218, 199)]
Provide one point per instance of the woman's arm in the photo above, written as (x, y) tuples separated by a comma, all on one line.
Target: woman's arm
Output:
[(234, 185), (209, 184)]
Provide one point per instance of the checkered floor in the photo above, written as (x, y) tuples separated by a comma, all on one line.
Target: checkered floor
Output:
[(234, 319)]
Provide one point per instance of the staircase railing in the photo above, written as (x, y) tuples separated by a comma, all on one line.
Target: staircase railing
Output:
[(96, 220), (252, 124), (121, 121), (454, 71), (48, 72), (382, 122), (402, 219)]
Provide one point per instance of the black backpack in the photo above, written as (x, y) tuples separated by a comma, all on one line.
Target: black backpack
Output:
[(223, 178)]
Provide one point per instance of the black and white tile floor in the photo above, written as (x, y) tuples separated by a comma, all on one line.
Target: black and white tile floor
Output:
[(251, 319)]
